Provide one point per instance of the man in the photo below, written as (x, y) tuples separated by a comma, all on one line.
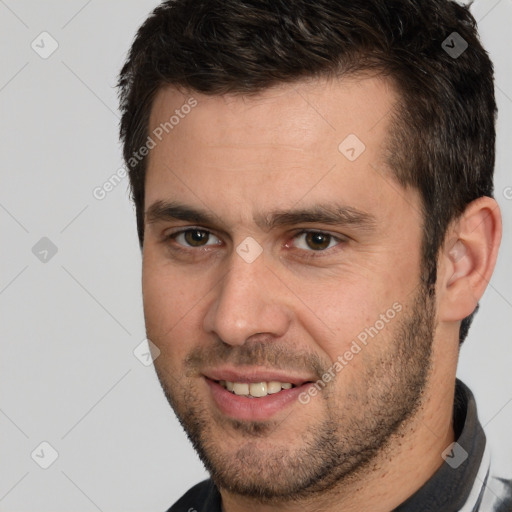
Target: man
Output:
[(313, 190)]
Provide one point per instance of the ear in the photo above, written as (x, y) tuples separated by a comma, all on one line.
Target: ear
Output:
[(468, 258)]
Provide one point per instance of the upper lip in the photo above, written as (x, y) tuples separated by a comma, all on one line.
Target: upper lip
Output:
[(253, 374)]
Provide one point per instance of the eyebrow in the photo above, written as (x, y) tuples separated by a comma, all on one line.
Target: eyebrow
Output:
[(331, 214)]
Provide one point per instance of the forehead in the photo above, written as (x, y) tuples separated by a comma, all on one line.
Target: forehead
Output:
[(297, 114), (303, 142)]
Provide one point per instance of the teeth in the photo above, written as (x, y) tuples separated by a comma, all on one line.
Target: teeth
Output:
[(255, 389), (258, 389), (273, 387), (240, 388)]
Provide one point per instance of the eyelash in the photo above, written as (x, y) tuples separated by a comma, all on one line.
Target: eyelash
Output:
[(311, 254)]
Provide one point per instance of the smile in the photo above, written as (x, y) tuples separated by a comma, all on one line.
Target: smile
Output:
[(259, 400), (255, 389)]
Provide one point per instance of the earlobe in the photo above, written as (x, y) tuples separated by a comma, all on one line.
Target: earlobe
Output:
[(469, 258)]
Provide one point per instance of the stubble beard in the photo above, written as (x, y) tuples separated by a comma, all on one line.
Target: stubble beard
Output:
[(353, 431)]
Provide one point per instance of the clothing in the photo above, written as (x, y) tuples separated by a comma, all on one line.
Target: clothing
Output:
[(459, 485)]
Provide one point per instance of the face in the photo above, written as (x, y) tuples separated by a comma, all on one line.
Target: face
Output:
[(281, 282)]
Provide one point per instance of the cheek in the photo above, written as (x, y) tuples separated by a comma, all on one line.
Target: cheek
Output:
[(171, 307), (345, 308)]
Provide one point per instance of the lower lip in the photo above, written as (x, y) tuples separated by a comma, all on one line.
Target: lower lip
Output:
[(253, 409)]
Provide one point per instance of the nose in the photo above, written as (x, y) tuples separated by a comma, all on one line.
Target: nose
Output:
[(249, 300)]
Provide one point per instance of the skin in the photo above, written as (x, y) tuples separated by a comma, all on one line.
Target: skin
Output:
[(382, 424)]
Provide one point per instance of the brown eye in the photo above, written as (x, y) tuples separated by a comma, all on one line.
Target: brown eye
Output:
[(315, 241), (318, 241), (196, 237)]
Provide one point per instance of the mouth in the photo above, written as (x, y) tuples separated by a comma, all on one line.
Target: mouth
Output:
[(255, 389), (254, 396)]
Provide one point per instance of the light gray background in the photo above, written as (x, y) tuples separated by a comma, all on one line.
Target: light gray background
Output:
[(69, 326)]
